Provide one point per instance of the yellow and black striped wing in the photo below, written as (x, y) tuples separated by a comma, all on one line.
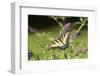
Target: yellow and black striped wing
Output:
[(60, 42)]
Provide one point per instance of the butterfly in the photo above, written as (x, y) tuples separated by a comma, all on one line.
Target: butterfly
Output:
[(61, 42)]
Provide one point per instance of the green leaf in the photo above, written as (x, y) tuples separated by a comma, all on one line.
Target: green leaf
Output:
[(81, 19), (77, 23)]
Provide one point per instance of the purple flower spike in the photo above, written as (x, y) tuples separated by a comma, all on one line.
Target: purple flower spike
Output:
[(67, 27), (30, 54)]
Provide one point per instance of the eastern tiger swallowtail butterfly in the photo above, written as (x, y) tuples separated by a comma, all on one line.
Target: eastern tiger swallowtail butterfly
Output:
[(61, 42)]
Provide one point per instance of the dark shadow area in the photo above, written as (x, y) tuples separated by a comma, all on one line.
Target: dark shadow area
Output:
[(40, 22)]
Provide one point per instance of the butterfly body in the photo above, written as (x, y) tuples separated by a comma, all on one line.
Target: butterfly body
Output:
[(64, 46)]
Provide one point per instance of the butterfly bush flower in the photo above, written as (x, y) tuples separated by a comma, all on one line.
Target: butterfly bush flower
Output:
[(30, 54), (67, 27)]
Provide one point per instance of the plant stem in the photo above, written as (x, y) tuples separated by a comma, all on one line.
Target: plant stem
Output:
[(83, 23), (59, 23)]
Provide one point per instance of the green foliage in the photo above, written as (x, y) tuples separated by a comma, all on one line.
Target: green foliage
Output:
[(38, 44), (82, 23)]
